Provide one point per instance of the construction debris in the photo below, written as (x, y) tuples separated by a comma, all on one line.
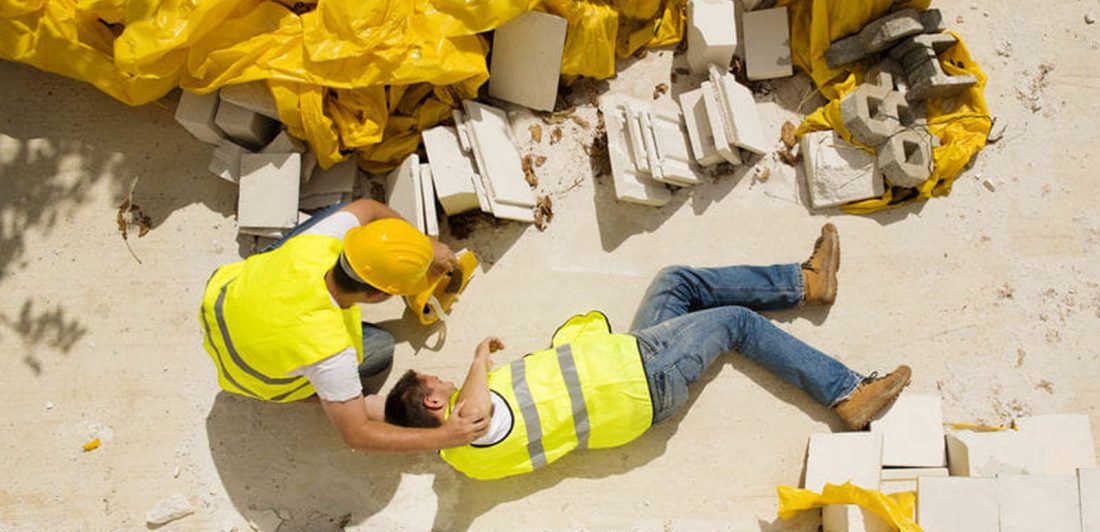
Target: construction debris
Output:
[(536, 132), (767, 44), (404, 192), (918, 55), (268, 196), (526, 60), (130, 215), (197, 113), (529, 171), (175, 507), (711, 34), (453, 172), (881, 34)]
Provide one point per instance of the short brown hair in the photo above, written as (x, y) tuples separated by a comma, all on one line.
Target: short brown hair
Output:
[(405, 403)]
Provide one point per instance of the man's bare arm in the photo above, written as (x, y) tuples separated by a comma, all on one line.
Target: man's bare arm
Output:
[(362, 434), (475, 389)]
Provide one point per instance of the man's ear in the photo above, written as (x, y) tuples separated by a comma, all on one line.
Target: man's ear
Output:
[(434, 403)]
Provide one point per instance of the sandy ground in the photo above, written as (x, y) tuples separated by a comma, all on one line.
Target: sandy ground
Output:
[(992, 296)]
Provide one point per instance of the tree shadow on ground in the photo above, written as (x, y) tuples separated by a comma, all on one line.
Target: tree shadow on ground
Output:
[(51, 329)]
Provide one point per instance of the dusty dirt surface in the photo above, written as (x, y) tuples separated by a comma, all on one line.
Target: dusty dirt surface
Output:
[(991, 294)]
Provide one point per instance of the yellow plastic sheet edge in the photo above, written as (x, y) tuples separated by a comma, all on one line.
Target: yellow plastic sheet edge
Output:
[(895, 509)]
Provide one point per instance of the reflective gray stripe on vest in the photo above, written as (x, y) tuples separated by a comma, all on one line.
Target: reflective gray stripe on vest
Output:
[(530, 414), (220, 316), (576, 394), (221, 363)]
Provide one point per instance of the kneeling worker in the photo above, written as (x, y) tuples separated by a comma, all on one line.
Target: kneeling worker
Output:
[(596, 389)]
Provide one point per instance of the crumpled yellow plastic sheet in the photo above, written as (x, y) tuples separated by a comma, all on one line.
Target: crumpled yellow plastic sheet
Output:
[(348, 76), (895, 509), (961, 123)]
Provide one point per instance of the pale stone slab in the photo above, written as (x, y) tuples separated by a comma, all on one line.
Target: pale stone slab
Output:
[(269, 190), (837, 172), (427, 190), (912, 432), (496, 155), (767, 44), (711, 33), (197, 114), (953, 504), (254, 96), (526, 61), (698, 127), (245, 127), (1030, 503), (854, 457), (1088, 486), (403, 192), (453, 172), (1066, 444), (631, 184), (851, 518)]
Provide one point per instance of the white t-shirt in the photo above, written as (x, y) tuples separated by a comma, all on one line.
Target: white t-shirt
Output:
[(500, 423), (336, 378)]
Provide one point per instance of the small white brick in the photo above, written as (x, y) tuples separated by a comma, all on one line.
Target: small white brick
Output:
[(698, 128), (912, 432), (225, 161), (851, 518), (254, 96), (246, 128), (175, 507), (843, 457), (1066, 442), (197, 113), (496, 155), (269, 190), (631, 184), (1088, 484), (526, 60), (837, 172), (339, 179), (453, 171), (954, 504), (767, 44), (1030, 503), (711, 33), (403, 192)]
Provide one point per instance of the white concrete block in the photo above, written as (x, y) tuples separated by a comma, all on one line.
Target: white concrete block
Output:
[(1030, 503), (526, 61), (953, 504), (988, 454), (269, 190), (197, 113), (671, 155), (912, 473), (698, 128), (496, 155), (912, 432), (1066, 442), (851, 518), (254, 96), (340, 179), (721, 129), (225, 161), (403, 192), (175, 507), (319, 201), (741, 117), (854, 457), (711, 33), (631, 184), (427, 189), (837, 172), (1088, 487), (246, 128), (453, 172), (767, 44)]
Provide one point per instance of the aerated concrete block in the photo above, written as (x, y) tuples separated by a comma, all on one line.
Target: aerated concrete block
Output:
[(1065, 440), (453, 170), (1030, 503), (767, 44), (711, 33), (495, 153), (526, 60), (837, 172), (912, 432), (254, 96), (249, 129), (225, 161), (698, 128), (338, 179), (854, 457), (403, 192), (631, 184), (269, 190), (1088, 487), (905, 159), (952, 504), (197, 113), (427, 190), (851, 518)]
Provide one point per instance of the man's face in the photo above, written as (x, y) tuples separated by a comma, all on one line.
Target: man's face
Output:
[(440, 388)]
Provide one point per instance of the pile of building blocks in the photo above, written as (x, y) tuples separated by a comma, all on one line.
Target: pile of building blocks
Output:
[(1040, 475), (882, 33)]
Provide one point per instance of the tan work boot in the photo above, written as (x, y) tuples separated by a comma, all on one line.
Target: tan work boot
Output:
[(819, 271), (872, 396)]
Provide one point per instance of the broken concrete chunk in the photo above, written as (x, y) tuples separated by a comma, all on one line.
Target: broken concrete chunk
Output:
[(1088, 485), (403, 193), (767, 44), (225, 161), (631, 184), (453, 171), (912, 432), (905, 159), (854, 457), (495, 153), (340, 178), (245, 127), (197, 113), (699, 129), (526, 60), (1038, 502), (953, 504), (711, 33), (175, 507), (254, 96), (837, 172), (269, 190), (884, 31), (851, 518)]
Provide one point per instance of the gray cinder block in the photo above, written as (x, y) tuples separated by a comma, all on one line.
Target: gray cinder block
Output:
[(918, 56), (905, 159), (875, 111)]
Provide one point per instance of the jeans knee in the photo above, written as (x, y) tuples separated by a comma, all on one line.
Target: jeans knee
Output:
[(671, 275)]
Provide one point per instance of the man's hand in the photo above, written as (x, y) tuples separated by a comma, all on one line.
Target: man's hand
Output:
[(444, 259), (461, 430), (491, 344)]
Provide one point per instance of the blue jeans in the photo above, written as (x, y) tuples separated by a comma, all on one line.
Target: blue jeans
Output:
[(689, 316), (378, 344)]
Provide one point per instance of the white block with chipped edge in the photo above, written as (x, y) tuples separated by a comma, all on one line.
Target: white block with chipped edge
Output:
[(742, 117), (912, 473), (1030, 503), (837, 172), (427, 189), (719, 127), (672, 154), (698, 127), (631, 185), (851, 518), (1088, 487), (225, 161), (767, 44), (403, 192), (197, 114), (269, 190), (453, 171), (319, 201), (988, 454), (339, 179), (912, 432), (246, 128), (254, 96), (1066, 442), (526, 61), (955, 504), (854, 457), (711, 33), (496, 155)]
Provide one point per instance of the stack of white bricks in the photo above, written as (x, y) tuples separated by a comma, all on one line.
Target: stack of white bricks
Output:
[(1040, 476)]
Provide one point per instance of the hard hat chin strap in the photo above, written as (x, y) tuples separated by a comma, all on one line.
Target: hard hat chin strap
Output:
[(348, 269)]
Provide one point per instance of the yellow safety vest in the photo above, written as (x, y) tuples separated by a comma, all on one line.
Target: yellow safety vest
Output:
[(588, 391), (271, 314)]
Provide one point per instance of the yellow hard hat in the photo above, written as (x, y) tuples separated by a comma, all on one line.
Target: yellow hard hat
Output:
[(388, 254)]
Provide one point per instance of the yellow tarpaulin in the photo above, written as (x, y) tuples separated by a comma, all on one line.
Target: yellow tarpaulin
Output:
[(961, 123), (895, 509)]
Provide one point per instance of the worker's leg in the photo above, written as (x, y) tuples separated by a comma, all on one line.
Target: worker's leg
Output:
[(377, 350), (678, 290), (676, 353), (300, 228)]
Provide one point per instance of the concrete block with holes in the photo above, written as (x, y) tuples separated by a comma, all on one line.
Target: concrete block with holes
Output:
[(249, 129), (526, 60), (912, 432), (954, 504), (197, 113), (711, 33), (875, 111), (1088, 488), (1038, 502), (630, 170), (905, 159)]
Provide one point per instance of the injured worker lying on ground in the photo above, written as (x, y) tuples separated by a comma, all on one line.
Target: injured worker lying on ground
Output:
[(595, 389)]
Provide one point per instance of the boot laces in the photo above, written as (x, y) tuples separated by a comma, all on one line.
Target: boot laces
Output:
[(809, 264), (871, 378)]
